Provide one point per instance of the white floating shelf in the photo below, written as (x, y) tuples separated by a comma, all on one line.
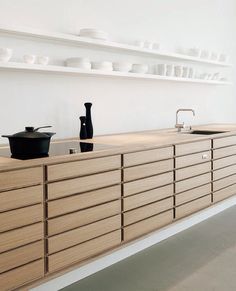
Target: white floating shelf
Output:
[(88, 42), (12, 66)]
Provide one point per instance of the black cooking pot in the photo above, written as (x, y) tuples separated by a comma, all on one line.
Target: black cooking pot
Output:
[(30, 143)]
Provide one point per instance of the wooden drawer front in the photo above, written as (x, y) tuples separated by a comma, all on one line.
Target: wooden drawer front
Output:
[(221, 173), (192, 171), (147, 211), (193, 147), (192, 194), (225, 182), (193, 159), (20, 217), (145, 226), (85, 167), (146, 170), (20, 178), (148, 156), (148, 183), (150, 196), (224, 193), (224, 162), (192, 182), (22, 275), (19, 237), (224, 152), (82, 234), (191, 207), (21, 256), (78, 185), (84, 250), (20, 198), (78, 202), (224, 141), (83, 217)]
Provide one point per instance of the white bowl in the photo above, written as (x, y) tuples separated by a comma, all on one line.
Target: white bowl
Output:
[(93, 33), (81, 63), (43, 60), (29, 59), (106, 66), (122, 66), (139, 68), (5, 54)]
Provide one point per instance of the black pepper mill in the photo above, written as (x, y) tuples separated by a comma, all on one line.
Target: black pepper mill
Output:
[(83, 131), (89, 124)]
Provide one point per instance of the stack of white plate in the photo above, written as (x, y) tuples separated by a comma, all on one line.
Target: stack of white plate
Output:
[(105, 66), (81, 63), (93, 33), (122, 66)]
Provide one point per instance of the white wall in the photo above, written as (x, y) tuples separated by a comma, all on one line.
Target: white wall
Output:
[(119, 105)]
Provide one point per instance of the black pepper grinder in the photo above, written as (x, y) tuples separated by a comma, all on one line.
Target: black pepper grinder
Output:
[(83, 131), (89, 124)]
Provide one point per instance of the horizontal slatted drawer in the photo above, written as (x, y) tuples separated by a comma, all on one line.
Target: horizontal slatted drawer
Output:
[(142, 171), (193, 159), (145, 226), (82, 184), (21, 256), (83, 217), (190, 183), (191, 207), (192, 171), (148, 156), (82, 234), (224, 141), (224, 152), (84, 167), (148, 183), (78, 202), (221, 173), (224, 193), (224, 162), (147, 211), (21, 217), (225, 182), (22, 275), (19, 237), (193, 147), (20, 178), (83, 251), (150, 196)]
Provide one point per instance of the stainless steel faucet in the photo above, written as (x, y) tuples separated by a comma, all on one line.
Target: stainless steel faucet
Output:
[(181, 125)]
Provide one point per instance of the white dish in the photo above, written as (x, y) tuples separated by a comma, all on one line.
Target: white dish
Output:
[(29, 59), (43, 60), (81, 63), (139, 68), (106, 66), (122, 67), (93, 33), (5, 55)]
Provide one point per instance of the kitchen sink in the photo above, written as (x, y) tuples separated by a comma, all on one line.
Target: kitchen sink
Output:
[(205, 132)]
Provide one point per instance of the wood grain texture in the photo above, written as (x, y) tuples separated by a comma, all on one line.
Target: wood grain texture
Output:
[(22, 275), (148, 183), (148, 156), (21, 178), (83, 251), (224, 193), (19, 237), (20, 198), (82, 234), (147, 211), (192, 147), (224, 141), (225, 182), (83, 217), (21, 217), (145, 226), (224, 152), (84, 200), (190, 160), (185, 173), (142, 171), (224, 162), (224, 172), (191, 207), (21, 256), (190, 183), (192, 194), (82, 184), (147, 197), (81, 168)]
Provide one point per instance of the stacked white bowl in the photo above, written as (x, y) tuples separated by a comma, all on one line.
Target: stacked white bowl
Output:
[(122, 67), (93, 33), (105, 66), (5, 55), (81, 63), (139, 68)]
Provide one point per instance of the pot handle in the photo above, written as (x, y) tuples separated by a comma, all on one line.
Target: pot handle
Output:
[(36, 129), (6, 136)]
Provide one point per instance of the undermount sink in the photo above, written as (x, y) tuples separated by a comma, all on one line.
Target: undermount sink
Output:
[(205, 132)]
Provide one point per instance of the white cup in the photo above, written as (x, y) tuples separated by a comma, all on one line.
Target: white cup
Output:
[(185, 72), (178, 71), (169, 70), (29, 59), (161, 69), (43, 60), (191, 73)]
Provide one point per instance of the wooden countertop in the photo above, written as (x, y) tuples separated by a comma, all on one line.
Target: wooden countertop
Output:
[(124, 143)]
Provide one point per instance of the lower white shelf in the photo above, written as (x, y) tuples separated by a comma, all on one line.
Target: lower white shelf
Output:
[(13, 66)]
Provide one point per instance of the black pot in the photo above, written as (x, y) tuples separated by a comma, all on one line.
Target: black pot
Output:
[(30, 143)]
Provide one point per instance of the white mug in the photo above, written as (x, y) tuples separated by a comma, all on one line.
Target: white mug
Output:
[(178, 71)]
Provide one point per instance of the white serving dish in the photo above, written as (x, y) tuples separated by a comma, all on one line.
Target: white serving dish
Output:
[(5, 55), (139, 68), (106, 66), (81, 63), (93, 33), (122, 67)]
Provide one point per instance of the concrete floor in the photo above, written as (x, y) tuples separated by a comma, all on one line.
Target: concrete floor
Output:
[(202, 258)]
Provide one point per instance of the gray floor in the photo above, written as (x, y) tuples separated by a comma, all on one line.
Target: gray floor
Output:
[(202, 258)]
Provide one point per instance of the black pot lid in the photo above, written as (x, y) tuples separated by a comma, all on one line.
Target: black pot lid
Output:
[(31, 132)]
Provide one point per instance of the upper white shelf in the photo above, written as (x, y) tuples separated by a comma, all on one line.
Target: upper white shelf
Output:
[(88, 42)]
